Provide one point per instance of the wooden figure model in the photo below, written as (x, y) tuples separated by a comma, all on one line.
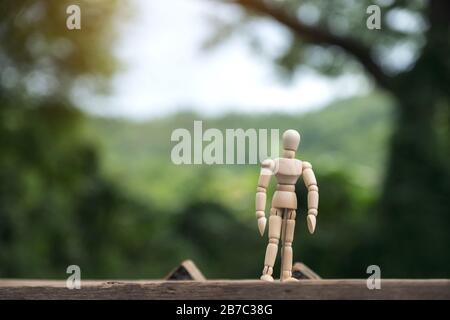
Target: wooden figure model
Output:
[(287, 170)]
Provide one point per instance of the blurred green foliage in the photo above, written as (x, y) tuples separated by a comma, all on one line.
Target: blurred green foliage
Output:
[(208, 211), (103, 193)]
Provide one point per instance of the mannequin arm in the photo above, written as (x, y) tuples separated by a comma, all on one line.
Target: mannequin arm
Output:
[(261, 191), (313, 195)]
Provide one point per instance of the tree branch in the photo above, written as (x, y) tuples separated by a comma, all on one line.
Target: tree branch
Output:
[(319, 36)]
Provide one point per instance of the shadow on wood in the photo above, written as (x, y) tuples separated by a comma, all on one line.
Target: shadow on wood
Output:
[(187, 270), (301, 271)]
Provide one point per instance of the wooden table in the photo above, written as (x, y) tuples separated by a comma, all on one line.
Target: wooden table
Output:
[(226, 289)]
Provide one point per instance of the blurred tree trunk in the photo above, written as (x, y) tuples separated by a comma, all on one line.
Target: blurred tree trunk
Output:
[(415, 198)]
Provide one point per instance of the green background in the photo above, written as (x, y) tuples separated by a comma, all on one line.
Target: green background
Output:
[(102, 193)]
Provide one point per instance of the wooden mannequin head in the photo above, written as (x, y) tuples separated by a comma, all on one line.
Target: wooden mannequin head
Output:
[(291, 140)]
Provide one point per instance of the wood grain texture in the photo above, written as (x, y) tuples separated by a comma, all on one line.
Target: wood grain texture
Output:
[(226, 289)]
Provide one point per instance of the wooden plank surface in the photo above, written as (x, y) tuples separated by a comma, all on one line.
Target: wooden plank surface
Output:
[(226, 289)]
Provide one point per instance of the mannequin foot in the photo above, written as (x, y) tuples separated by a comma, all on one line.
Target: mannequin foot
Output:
[(290, 279), (286, 276), (266, 277)]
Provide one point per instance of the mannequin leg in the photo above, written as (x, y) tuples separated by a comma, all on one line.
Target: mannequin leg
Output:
[(272, 247)]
